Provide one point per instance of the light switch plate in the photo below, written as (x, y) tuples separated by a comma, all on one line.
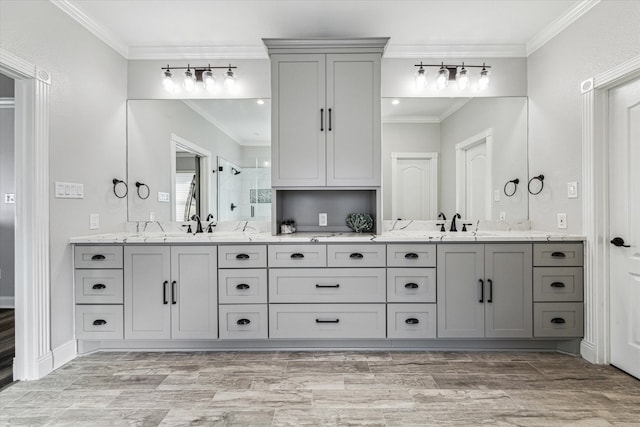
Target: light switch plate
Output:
[(94, 221), (163, 197), (69, 190), (322, 220), (572, 190), (9, 198), (562, 220)]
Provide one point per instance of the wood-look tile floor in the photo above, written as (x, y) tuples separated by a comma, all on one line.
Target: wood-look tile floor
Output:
[(325, 389)]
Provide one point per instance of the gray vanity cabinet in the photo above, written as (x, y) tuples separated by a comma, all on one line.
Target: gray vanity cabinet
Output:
[(170, 292), (484, 291), (326, 120)]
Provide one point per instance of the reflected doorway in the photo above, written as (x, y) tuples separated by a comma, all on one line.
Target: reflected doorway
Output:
[(473, 176), (191, 177), (414, 185)]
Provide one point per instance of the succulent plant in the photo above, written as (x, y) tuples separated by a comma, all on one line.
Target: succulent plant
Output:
[(360, 222)]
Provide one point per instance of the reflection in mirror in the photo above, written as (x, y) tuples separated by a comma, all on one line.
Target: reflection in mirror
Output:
[(244, 192), (454, 155), (174, 145)]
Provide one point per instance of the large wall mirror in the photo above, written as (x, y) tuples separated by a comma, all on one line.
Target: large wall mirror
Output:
[(455, 155), (199, 157)]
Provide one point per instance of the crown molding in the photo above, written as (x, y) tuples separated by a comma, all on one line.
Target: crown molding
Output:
[(197, 52), (412, 119), (559, 24), (14, 66), (440, 51), (7, 103), (332, 45), (96, 29), (454, 107)]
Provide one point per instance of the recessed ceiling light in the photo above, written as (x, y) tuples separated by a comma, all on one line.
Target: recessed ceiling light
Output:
[(395, 102), (260, 101)]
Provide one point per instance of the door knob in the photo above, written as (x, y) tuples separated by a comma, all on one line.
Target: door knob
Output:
[(619, 241)]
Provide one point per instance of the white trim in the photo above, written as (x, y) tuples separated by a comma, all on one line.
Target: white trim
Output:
[(102, 33), (433, 180), (453, 108), (461, 147), (444, 51), (412, 119), (64, 353), (560, 24), (207, 185), (595, 346), (7, 302), (32, 299), (197, 52), (7, 103)]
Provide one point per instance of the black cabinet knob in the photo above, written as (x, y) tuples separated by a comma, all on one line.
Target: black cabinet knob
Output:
[(557, 285), (411, 255), (243, 322), (242, 256), (297, 255), (98, 257), (558, 255), (98, 286), (99, 322), (411, 286), (356, 255), (558, 320), (412, 321), (242, 286)]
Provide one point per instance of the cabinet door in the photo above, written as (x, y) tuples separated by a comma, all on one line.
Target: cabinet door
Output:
[(508, 291), (460, 295), (298, 120), (353, 120), (147, 313), (194, 298)]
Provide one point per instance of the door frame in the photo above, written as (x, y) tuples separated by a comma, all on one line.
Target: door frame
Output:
[(433, 160), (461, 147), (34, 358), (595, 346)]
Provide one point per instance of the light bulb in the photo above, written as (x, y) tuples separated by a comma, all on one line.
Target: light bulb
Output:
[(167, 80), (395, 102), (462, 78), (209, 80), (442, 81), (229, 80), (260, 101), (189, 80), (421, 78), (484, 79)]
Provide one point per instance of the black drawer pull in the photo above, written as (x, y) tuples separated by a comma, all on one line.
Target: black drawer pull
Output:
[(327, 321), (327, 286), (558, 320), (297, 255), (411, 255), (243, 322), (356, 255), (557, 285), (242, 286), (412, 321), (242, 256), (98, 286), (99, 322), (98, 257), (411, 286), (558, 255)]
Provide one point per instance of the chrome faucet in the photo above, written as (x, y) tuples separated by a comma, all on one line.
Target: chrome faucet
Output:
[(453, 222), (198, 223)]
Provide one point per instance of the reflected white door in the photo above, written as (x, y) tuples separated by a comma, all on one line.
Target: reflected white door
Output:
[(624, 211), (476, 181), (414, 186)]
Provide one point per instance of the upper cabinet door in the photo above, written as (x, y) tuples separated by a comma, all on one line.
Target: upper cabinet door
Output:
[(353, 120), (299, 120)]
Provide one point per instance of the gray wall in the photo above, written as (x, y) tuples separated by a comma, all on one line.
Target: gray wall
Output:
[(607, 35), (7, 185), (404, 137), (87, 132)]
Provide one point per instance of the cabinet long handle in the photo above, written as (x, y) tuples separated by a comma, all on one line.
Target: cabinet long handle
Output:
[(327, 321), (297, 255), (242, 256), (173, 292), (490, 299), (558, 255), (481, 290), (557, 285), (356, 255), (322, 120), (98, 286), (411, 255), (164, 292), (558, 320), (327, 286), (329, 119)]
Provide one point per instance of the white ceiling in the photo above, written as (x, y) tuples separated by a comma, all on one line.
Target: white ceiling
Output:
[(420, 110), (172, 29)]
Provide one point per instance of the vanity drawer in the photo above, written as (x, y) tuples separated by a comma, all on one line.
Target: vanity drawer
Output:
[(411, 255), (557, 254), (557, 284), (243, 321), (370, 255), (99, 322), (297, 256), (558, 319), (98, 256), (411, 285), (356, 321), (327, 285), (417, 321), (242, 286), (99, 286), (242, 256)]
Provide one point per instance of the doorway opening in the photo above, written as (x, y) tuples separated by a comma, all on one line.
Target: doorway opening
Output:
[(191, 180), (414, 186), (473, 176)]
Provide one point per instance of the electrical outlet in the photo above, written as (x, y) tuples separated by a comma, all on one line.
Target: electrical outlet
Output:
[(94, 221), (322, 220), (496, 195), (572, 190), (562, 220), (152, 216), (503, 216), (9, 198)]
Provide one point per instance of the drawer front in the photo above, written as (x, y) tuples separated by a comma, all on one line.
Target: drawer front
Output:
[(242, 256), (370, 255), (243, 321), (411, 255), (417, 321), (557, 254), (557, 284), (559, 319), (327, 321), (99, 286), (327, 285), (411, 285), (242, 286), (99, 322), (297, 256), (98, 256)]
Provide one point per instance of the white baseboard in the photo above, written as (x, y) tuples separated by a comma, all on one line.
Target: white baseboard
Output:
[(44, 366), (7, 302), (588, 351), (64, 353)]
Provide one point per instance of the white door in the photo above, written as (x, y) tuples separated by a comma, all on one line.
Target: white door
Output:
[(415, 187), (476, 182), (624, 211)]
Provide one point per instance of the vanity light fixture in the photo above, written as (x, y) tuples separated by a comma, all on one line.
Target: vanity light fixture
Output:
[(193, 75), (446, 72)]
